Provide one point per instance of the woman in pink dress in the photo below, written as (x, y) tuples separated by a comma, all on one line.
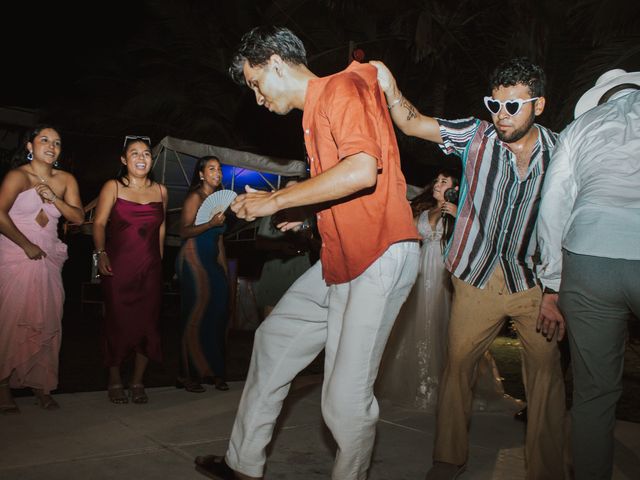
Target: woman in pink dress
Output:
[(129, 255), (33, 197)]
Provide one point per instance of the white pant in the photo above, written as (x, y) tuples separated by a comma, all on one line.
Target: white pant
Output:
[(352, 322)]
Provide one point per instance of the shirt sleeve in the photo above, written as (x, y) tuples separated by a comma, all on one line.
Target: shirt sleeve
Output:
[(456, 134), (352, 112), (558, 197)]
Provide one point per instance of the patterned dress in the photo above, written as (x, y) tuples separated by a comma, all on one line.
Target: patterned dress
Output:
[(204, 302)]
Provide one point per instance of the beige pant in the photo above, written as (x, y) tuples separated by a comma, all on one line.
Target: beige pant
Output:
[(477, 315), (352, 322)]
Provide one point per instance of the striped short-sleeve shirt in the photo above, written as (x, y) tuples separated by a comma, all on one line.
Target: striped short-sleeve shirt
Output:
[(497, 210)]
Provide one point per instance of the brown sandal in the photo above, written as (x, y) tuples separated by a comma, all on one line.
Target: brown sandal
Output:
[(45, 400), (8, 408), (137, 393), (116, 394), (190, 385)]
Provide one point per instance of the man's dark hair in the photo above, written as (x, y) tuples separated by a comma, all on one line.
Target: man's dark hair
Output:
[(519, 71), (257, 46)]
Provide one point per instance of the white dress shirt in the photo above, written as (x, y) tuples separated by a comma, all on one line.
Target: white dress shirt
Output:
[(591, 193)]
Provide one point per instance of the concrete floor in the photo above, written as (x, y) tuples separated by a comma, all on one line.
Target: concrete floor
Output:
[(90, 438)]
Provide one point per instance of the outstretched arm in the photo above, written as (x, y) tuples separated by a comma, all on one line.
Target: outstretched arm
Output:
[(406, 117)]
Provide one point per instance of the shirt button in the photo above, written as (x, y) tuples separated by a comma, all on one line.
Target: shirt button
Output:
[(311, 159), (323, 244), (306, 131)]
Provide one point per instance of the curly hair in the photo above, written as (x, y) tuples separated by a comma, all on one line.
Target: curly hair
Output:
[(522, 71), (257, 46)]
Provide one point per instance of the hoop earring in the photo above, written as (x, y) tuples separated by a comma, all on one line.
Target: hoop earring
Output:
[(56, 164), (29, 156)]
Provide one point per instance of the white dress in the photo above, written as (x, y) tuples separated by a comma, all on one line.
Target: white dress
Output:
[(415, 353)]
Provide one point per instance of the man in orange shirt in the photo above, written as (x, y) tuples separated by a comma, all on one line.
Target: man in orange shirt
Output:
[(345, 304)]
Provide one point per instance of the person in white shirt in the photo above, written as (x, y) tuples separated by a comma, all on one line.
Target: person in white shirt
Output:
[(589, 236)]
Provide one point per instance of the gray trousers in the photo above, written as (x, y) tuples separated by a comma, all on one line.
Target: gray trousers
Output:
[(352, 322), (597, 297)]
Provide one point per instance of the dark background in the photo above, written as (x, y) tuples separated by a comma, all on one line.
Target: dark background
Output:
[(102, 70)]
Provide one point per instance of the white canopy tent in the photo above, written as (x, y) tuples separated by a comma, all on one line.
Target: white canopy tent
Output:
[(175, 159)]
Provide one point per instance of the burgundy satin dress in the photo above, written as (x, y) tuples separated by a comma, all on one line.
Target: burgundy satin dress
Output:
[(133, 295)]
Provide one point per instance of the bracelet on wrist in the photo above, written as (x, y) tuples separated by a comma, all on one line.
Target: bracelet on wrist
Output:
[(394, 103), (99, 252)]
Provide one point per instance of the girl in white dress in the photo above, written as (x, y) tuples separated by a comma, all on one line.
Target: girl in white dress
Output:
[(414, 357)]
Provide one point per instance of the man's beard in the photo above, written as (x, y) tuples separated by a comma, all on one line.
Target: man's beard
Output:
[(518, 133)]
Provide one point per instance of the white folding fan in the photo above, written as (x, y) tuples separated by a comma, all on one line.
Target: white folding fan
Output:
[(215, 203)]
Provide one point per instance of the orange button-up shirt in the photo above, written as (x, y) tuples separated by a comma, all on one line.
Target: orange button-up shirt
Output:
[(345, 114)]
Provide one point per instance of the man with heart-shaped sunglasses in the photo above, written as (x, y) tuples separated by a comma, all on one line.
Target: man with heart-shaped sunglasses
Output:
[(490, 259)]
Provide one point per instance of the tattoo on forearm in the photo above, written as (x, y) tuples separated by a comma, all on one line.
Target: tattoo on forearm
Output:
[(411, 110)]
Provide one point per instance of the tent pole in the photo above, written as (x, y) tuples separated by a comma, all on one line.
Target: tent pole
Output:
[(267, 181), (164, 164), (184, 173)]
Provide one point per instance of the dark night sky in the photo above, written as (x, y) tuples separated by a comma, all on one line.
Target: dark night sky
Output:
[(48, 49)]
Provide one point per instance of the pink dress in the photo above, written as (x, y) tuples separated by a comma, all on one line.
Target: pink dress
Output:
[(31, 297)]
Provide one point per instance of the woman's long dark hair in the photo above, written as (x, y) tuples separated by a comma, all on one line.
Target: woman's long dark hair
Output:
[(196, 181), (425, 201), (20, 156), (122, 171)]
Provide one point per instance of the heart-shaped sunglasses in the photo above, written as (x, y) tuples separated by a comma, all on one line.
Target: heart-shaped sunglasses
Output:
[(512, 107)]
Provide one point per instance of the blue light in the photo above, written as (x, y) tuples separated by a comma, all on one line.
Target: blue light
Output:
[(244, 176)]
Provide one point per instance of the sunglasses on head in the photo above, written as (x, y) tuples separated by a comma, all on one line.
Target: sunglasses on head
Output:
[(512, 107), (132, 138)]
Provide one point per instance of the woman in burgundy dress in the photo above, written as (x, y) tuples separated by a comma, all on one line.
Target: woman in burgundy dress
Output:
[(129, 255)]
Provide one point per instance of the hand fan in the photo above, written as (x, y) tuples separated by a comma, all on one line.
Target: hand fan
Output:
[(215, 203)]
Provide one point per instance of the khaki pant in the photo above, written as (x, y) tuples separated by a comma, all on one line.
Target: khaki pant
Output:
[(477, 315)]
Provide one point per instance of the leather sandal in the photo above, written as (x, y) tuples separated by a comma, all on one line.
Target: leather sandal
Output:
[(190, 385), (220, 384), (8, 408), (116, 394), (137, 393), (47, 402)]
